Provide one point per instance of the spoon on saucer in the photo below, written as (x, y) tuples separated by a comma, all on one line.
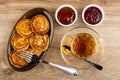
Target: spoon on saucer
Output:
[(99, 67)]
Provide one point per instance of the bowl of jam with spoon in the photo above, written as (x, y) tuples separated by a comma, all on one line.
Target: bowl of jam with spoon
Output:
[(66, 15), (92, 15)]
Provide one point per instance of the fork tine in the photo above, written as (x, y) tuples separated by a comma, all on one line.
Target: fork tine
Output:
[(27, 59), (26, 54)]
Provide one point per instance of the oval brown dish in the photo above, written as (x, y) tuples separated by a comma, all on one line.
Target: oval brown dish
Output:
[(29, 15)]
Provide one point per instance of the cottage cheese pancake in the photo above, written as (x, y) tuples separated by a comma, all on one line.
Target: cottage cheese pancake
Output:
[(16, 60), (23, 28), (40, 24), (39, 42), (19, 43)]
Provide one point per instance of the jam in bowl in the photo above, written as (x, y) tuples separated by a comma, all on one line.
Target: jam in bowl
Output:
[(92, 15), (66, 15)]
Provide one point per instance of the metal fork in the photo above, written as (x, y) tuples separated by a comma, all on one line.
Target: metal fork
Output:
[(30, 57)]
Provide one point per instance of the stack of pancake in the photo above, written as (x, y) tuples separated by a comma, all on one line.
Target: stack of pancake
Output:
[(31, 35)]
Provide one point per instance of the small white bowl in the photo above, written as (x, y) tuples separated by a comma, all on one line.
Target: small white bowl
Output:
[(62, 6), (93, 5)]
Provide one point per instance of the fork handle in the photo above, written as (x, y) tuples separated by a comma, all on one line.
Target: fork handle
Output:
[(69, 70)]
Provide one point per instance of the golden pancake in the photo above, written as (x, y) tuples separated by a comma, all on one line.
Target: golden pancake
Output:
[(23, 28), (19, 43), (40, 24), (39, 42), (17, 61)]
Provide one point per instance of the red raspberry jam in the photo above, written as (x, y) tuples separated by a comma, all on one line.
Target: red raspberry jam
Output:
[(93, 15)]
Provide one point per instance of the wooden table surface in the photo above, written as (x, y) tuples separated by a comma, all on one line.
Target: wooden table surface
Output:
[(12, 10)]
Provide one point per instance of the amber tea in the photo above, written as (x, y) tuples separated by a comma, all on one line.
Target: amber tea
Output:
[(83, 45)]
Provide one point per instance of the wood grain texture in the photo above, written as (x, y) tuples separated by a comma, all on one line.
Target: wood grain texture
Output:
[(12, 10)]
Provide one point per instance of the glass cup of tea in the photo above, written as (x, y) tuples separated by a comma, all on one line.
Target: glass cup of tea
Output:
[(81, 43)]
